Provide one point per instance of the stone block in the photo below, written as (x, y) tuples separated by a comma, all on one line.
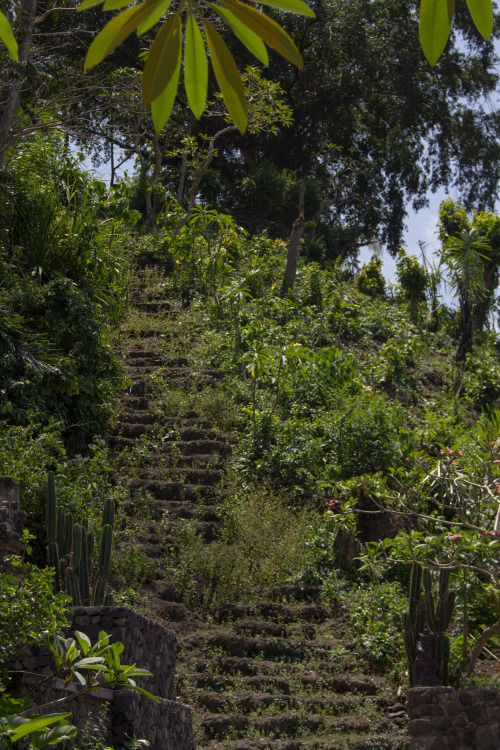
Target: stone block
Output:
[(420, 728), (477, 713), (453, 708), (487, 737), (442, 724)]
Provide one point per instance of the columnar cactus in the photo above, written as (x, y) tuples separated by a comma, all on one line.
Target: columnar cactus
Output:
[(70, 548), (413, 620), (439, 617), (422, 610)]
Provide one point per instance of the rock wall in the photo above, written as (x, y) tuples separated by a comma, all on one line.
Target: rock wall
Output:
[(166, 724), (11, 519), (147, 643), (443, 719)]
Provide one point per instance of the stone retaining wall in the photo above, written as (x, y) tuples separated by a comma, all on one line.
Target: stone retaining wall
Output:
[(147, 643), (443, 719), (165, 724)]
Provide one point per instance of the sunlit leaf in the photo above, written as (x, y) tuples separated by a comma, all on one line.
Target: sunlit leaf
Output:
[(53, 736), (268, 30), (434, 27), (162, 60), (251, 41), (482, 15), (195, 67), (89, 4), (8, 38), (162, 106), (294, 6), (116, 30), (228, 77), (35, 724), (154, 17), (116, 4)]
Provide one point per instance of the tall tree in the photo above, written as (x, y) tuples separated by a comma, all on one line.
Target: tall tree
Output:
[(368, 100)]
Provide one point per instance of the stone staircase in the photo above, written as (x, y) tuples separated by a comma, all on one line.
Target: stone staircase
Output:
[(282, 673)]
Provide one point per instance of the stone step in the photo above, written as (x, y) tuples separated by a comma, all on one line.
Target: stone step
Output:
[(168, 491), (275, 611), (285, 649), (199, 446), (178, 460), (143, 334), (157, 306), (207, 477), (178, 509), (146, 416), (131, 431)]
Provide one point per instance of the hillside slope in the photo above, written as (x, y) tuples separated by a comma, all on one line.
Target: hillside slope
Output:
[(280, 670)]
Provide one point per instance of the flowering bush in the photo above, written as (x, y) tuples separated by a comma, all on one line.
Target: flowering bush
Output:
[(452, 503)]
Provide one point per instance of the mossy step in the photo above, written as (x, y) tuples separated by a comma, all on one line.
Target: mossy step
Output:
[(200, 446), (296, 724), (149, 416), (143, 334), (208, 477), (168, 491), (329, 742), (179, 460), (142, 367), (276, 612), (266, 648), (153, 307)]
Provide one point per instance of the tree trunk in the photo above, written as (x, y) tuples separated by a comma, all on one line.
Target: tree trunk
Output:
[(480, 644), (182, 175), (25, 21), (156, 173), (198, 177), (294, 246), (465, 343)]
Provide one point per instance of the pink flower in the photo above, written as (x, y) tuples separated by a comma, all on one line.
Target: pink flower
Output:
[(497, 487), (455, 537), (332, 503)]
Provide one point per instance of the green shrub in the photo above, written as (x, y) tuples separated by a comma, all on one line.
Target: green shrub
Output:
[(370, 280)]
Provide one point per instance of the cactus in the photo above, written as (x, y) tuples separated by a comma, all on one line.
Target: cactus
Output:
[(422, 608), (104, 561), (413, 620), (439, 617), (70, 550)]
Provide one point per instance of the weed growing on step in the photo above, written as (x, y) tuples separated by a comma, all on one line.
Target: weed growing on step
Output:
[(263, 546)]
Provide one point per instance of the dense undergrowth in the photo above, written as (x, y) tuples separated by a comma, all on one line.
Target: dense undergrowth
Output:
[(346, 396)]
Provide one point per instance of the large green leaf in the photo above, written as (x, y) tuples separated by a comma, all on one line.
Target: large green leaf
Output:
[(115, 4), (268, 30), (116, 30), (154, 17), (294, 6), (251, 41), (162, 106), (228, 77), (162, 59), (8, 38), (482, 15), (434, 27), (195, 67), (54, 736), (89, 4), (35, 725)]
